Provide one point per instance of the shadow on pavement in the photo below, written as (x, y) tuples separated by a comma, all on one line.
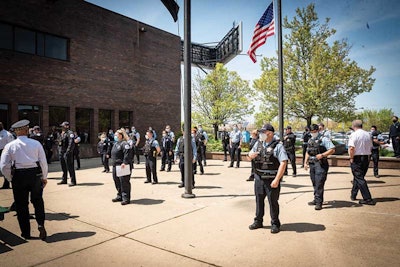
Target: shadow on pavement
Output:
[(61, 216), (339, 172), (207, 187), (335, 204), (147, 201), (302, 227), (67, 236), (386, 199), (9, 239), (375, 182), (389, 175), (168, 183), (89, 184), (212, 173), (294, 186)]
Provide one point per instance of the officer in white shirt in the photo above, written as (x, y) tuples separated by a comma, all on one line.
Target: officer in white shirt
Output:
[(360, 145), (23, 162), (5, 137)]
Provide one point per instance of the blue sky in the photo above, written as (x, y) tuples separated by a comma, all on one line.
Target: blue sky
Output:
[(377, 45)]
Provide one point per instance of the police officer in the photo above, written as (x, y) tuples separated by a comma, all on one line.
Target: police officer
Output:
[(150, 151), (104, 149), (76, 153), (121, 157), (180, 154), (37, 134), (24, 163), (48, 146), (167, 155), (394, 136), (199, 141), (235, 145), (318, 149), (304, 139), (5, 138), (270, 164), (203, 147), (360, 145), (66, 146), (170, 133), (289, 142), (377, 141), (323, 131), (135, 136), (225, 142), (253, 141)]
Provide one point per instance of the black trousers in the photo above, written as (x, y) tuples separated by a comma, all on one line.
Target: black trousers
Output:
[(25, 182), (292, 158), (151, 169), (67, 165), (122, 184), (235, 150), (166, 159), (182, 169), (105, 162), (359, 168), (375, 160), (304, 146), (225, 148), (77, 158), (263, 189), (203, 150), (199, 161), (318, 174), (396, 146)]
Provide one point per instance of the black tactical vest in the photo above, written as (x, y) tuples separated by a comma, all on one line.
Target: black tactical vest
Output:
[(266, 164), (314, 146), (374, 135), (148, 149), (181, 147)]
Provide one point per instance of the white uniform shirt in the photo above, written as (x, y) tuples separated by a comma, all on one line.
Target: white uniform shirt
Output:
[(5, 137), (361, 141), (25, 152)]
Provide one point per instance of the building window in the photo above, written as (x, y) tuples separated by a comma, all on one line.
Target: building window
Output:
[(33, 42), (31, 113), (58, 115), (125, 119), (105, 120), (6, 36), (4, 116), (24, 41), (83, 118)]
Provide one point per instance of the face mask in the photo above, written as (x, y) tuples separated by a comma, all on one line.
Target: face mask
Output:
[(314, 135), (263, 136), (146, 137), (193, 135), (116, 138), (200, 129), (167, 130), (133, 129), (235, 129), (164, 135), (394, 121)]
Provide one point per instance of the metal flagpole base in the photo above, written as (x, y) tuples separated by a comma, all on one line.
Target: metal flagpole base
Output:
[(187, 195)]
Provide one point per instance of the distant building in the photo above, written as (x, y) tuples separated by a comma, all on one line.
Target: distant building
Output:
[(70, 60)]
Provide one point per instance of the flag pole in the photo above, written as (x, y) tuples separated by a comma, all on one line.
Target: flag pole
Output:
[(280, 69), (187, 105)]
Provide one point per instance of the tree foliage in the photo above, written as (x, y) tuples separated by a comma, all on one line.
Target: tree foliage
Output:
[(382, 119), (319, 78), (221, 96)]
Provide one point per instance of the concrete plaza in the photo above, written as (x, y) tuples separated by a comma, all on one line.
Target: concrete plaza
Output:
[(160, 228)]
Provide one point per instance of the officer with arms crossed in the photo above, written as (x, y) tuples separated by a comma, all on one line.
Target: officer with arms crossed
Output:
[(360, 145), (66, 146), (270, 161), (23, 162), (318, 149), (150, 150)]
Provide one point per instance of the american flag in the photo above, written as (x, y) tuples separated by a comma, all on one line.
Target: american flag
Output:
[(265, 27)]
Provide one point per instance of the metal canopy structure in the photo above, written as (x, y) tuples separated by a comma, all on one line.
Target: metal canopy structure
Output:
[(208, 56)]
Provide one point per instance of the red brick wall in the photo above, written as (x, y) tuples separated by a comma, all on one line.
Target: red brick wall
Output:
[(112, 64)]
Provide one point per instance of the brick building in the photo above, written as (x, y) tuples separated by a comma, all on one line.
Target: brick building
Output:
[(72, 60)]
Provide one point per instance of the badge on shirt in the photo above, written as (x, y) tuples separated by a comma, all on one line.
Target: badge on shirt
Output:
[(269, 149), (71, 135), (127, 147)]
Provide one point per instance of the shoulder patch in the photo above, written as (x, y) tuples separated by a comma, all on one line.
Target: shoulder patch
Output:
[(127, 146), (72, 135)]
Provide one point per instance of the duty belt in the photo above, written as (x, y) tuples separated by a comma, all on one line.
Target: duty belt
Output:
[(312, 160), (266, 174)]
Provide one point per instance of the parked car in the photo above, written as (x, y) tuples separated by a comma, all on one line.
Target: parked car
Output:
[(340, 148), (340, 138)]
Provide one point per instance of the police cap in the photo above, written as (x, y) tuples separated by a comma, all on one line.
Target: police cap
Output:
[(65, 123), (36, 128), (267, 127), (19, 125)]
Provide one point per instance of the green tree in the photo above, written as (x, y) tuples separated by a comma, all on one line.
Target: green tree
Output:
[(319, 78), (382, 119), (219, 97)]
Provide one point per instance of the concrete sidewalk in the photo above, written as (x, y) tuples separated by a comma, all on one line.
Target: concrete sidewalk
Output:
[(160, 228)]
